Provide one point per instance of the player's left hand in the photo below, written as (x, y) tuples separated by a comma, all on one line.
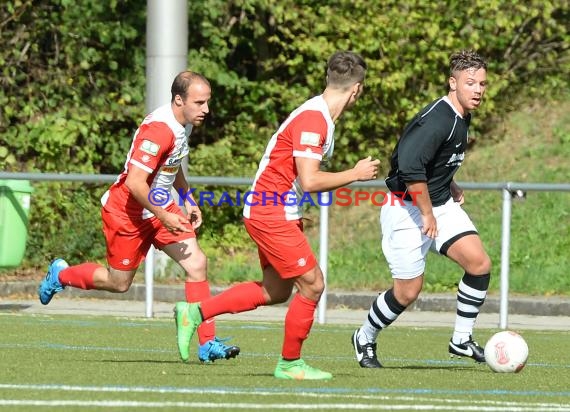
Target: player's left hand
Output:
[(195, 217), (457, 193)]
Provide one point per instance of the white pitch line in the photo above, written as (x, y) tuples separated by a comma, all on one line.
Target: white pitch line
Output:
[(265, 406), (429, 402)]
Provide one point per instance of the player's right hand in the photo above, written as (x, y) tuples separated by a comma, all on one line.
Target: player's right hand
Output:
[(367, 169), (429, 226), (175, 223)]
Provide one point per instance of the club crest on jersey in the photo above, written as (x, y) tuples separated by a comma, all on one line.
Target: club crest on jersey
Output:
[(150, 147), (310, 138)]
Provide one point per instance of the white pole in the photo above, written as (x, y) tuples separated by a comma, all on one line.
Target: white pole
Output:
[(167, 55), (167, 48), (323, 251), (505, 247), (149, 282)]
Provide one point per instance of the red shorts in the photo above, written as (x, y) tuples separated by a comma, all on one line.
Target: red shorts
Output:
[(128, 239), (282, 245)]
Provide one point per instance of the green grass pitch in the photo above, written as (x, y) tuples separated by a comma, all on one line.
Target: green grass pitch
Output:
[(71, 363)]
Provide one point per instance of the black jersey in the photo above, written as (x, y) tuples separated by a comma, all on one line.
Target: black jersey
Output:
[(431, 149)]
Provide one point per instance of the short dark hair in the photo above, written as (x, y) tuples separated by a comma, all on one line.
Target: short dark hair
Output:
[(182, 81), (344, 69), (466, 59)]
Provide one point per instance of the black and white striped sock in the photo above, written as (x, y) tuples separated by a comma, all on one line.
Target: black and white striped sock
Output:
[(471, 294), (384, 310)]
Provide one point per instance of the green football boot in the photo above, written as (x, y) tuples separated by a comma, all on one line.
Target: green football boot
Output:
[(188, 318), (298, 370)]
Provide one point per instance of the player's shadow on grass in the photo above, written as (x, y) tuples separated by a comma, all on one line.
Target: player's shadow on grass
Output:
[(157, 361), (13, 307), (138, 361), (432, 367)]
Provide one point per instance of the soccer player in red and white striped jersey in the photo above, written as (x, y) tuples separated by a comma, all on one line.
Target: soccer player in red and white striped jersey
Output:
[(138, 211), (289, 168)]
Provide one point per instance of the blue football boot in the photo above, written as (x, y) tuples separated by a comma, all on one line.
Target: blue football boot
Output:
[(51, 284), (216, 349)]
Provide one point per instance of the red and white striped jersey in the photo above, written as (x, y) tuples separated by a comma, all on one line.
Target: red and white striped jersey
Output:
[(275, 193), (159, 145)]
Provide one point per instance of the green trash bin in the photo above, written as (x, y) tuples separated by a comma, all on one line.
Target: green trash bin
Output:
[(15, 196)]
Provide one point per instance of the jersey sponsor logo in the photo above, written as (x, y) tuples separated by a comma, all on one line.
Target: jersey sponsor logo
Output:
[(174, 161), (169, 170), (145, 158), (149, 147), (455, 160), (310, 138), (178, 154)]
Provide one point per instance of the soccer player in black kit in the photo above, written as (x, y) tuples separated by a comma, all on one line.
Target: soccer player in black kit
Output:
[(430, 216)]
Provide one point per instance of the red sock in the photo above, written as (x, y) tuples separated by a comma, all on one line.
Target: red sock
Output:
[(298, 322), (197, 292), (79, 276), (239, 298)]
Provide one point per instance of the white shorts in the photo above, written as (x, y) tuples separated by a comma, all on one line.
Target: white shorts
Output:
[(404, 245)]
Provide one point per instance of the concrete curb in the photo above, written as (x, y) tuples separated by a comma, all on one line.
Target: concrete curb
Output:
[(521, 305)]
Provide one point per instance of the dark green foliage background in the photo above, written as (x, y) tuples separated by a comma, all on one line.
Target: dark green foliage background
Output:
[(73, 81)]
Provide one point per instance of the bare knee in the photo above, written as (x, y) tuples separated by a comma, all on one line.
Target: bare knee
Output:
[(311, 284), (275, 289), (486, 265), (406, 297), (196, 267), (481, 266), (120, 283), (121, 287), (318, 287), (280, 295), (277, 292), (190, 257), (115, 281), (407, 291), (470, 254)]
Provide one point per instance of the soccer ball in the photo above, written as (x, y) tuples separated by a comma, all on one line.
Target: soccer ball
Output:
[(506, 352)]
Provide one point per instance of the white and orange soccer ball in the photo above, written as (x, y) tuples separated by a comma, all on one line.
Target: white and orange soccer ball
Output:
[(506, 352)]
